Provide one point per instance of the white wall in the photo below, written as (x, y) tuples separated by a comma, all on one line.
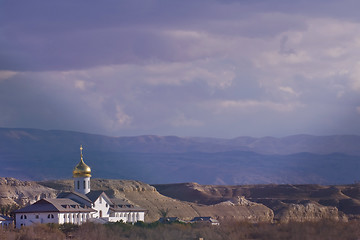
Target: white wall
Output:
[(6, 223), (60, 218), (127, 217), (32, 218), (75, 218), (79, 185), (101, 205)]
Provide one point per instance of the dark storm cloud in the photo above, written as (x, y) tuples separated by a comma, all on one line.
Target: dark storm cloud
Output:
[(61, 35)]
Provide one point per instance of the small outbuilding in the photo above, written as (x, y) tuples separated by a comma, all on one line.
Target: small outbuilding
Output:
[(6, 221), (208, 220), (169, 220)]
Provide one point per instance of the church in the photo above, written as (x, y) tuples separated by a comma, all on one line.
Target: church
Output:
[(80, 205)]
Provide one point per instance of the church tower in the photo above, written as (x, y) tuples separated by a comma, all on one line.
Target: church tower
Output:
[(81, 175)]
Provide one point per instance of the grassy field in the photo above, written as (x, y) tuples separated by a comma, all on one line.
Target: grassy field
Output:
[(226, 231)]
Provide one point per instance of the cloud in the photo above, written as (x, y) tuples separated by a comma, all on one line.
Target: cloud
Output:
[(178, 73), (254, 105), (355, 77), (181, 120), (289, 90), (6, 74), (358, 109), (189, 66), (122, 119)]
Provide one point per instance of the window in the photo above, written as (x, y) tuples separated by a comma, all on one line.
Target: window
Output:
[(106, 205), (100, 200), (84, 184), (37, 216), (78, 184), (51, 216), (23, 217)]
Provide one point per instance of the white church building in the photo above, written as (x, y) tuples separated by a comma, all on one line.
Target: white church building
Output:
[(80, 205)]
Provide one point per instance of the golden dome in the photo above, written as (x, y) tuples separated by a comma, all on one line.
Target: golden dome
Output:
[(81, 169)]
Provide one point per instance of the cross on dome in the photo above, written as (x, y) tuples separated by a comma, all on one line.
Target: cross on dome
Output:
[(81, 169)]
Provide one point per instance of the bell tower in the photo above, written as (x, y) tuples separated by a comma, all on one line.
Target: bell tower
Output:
[(81, 175)]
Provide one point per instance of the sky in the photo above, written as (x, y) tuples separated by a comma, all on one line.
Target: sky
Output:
[(202, 68)]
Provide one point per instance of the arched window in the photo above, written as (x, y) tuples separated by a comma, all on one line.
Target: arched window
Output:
[(51, 216), (84, 184), (22, 216), (78, 184)]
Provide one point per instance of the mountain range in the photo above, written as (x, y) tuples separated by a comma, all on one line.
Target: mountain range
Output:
[(33, 154)]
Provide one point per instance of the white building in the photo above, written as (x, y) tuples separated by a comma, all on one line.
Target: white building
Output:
[(5, 221), (80, 205), (58, 210)]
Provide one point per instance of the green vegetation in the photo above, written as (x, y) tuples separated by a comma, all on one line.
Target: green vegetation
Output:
[(8, 209), (226, 231), (164, 212)]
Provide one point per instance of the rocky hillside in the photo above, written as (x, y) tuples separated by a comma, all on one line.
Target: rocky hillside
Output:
[(256, 203), (13, 191), (138, 193), (288, 202)]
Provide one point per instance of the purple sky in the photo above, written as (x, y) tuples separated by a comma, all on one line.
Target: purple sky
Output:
[(185, 68)]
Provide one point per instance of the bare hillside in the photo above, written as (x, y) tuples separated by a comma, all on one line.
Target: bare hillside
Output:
[(148, 197), (288, 202), (13, 191), (257, 203)]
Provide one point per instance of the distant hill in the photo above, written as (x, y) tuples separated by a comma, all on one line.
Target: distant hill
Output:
[(34, 154)]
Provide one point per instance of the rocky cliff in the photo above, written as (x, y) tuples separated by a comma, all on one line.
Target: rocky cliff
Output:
[(13, 191), (288, 202)]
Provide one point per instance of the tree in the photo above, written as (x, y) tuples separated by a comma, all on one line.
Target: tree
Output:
[(164, 212)]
